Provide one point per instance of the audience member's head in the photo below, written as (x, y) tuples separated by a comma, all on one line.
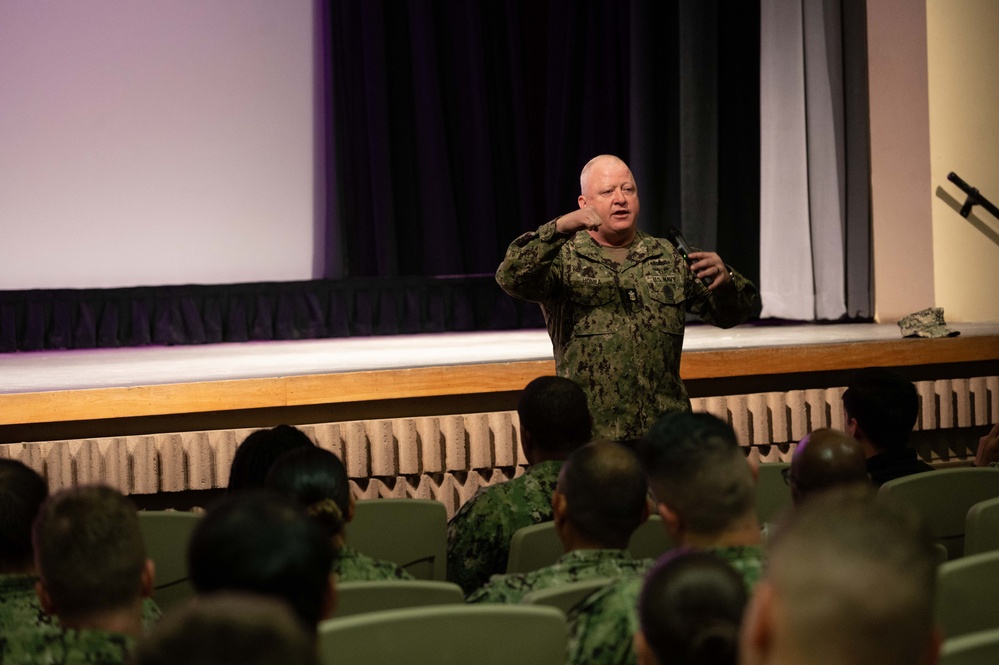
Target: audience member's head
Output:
[(22, 492), (91, 560), (881, 408), (689, 611), (317, 480), (601, 497), (229, 629), (554, 418), (850, 579), (826, 458), (263, 542), (700, 477), (258, 451)]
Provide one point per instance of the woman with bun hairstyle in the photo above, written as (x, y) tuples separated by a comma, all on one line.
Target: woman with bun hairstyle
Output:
[(689, 611), (317, 479)]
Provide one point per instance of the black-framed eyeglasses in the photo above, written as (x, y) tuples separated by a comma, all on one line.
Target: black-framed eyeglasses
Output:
[(785, 473)]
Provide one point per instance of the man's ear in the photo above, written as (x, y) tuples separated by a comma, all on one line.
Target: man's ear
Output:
[(44, 599), (852, 426), (643, 653), (560, 508), (329, 598), (754, 468), (671, 520), (148, 579), (349, 517), (756, 636), (527, 445), (581, 201)]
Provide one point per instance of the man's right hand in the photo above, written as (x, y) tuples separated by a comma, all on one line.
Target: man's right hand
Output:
[(577, 220)]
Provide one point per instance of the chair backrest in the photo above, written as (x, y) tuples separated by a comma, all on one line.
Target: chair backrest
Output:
[(773, 496), (166, 534), (486, 634), (967, 601), (565, 596), (650, 540), (973, 649), (944, 497), (374, 596), (981, 527), (410, 532), (533, 547)]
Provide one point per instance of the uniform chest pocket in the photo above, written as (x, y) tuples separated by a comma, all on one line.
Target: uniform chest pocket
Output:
[(591, 292), (666, 289)]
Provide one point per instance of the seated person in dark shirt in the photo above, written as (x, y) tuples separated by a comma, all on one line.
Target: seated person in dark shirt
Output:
[(881, 410)]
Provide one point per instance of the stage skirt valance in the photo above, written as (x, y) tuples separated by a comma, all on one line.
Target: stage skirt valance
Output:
[(203, 314)]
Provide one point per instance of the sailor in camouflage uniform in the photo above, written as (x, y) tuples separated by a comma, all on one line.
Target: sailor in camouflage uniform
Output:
[(705, 490), (554, 421), (93, 575), (600, 500), (615, 300)]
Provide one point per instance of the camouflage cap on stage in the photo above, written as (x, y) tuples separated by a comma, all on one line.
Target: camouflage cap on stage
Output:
[(927, 322)]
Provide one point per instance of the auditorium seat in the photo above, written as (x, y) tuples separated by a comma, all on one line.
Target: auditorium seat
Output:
[(533, 547), (944, 497), (967, 601), (981, 527), (650, 540), (166, 534), (980, 648), (565, 596), (773, 495), (410, 532), (373, 596), (486, 634)]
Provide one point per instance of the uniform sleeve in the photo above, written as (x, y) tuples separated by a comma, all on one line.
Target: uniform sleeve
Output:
[(725, 307), (473, 548), (602, 625), (531, 269)]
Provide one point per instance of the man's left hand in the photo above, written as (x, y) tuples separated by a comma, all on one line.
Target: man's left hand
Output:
[(709, 264)]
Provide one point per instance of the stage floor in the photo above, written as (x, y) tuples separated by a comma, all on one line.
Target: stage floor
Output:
[(51, 371)]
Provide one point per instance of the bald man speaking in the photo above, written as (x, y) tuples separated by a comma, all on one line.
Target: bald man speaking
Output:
[(615, 300)]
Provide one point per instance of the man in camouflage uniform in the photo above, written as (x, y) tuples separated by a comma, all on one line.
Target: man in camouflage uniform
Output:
[(851, 579), (93, 575), (554, 421), (600, 500), (352, 566), (705, 493), (615, 300)]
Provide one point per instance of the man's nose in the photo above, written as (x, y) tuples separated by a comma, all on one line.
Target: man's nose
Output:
[(619, 196)]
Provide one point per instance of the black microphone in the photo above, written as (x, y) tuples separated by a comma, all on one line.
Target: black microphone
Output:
[(676, 238)]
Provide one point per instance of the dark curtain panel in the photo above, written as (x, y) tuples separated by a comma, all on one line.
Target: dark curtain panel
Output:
[(458, 125)]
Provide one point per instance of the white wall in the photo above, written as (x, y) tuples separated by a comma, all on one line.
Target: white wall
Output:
[(149, 143), (964, 138)]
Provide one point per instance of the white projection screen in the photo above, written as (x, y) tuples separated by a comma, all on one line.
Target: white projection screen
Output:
[(147, 143)]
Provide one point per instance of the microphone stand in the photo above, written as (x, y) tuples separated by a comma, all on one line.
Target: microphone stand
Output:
[(974, 197)]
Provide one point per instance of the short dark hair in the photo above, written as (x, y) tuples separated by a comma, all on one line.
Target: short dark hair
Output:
[(691, 607), (317, 480), (885, 404), (695, 465), (258, 451), (22, 492), (263, 542), (605, 492), (89, 550), (554, 411), (229, 629), (860, 570)]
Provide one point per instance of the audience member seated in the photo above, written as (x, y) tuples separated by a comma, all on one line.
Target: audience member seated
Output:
[(554, 421), (704, 488), (317, 480), (689, 611), (824, 459), (229, 629), (881, 410), (850, 579), (600, 499), (258, 451), (93, 574), (988, 449), (262, 542)]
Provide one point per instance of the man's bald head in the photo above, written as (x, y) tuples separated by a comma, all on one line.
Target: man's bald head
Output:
[(826, 458), (598, 161)]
